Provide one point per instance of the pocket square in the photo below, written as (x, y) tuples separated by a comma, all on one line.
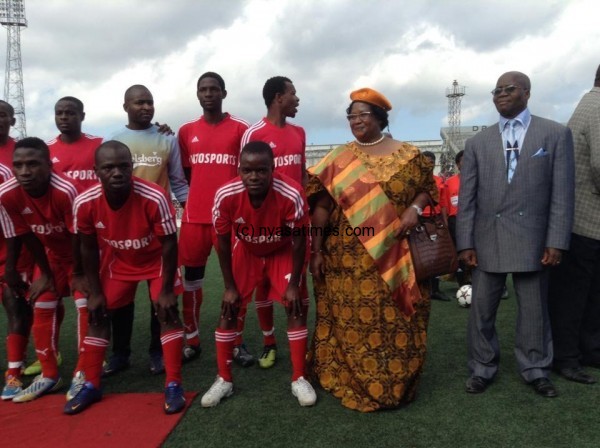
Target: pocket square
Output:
[(540, 153)]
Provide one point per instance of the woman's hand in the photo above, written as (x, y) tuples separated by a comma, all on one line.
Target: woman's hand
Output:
[(408, 219)]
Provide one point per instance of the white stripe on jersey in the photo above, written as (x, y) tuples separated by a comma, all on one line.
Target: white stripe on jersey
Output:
[(223, 192), (5, 172), (63, 185), (168, 220), (86, 196), (292, 194), (249, 131), (239, 120), (6, 221)]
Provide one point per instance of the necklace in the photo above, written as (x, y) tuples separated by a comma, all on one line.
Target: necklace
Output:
[(379, 140)]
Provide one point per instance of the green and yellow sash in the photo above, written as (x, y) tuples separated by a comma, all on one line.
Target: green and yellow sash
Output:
[(365, 204)]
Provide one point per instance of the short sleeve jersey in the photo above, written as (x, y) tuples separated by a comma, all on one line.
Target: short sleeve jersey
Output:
[(49, 217), (452, 189), (128, 237), (211, 152), (6, 152), (268, 228), (288, 144), (76, 160)]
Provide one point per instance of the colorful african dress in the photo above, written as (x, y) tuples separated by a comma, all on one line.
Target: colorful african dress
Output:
[(365, 351)]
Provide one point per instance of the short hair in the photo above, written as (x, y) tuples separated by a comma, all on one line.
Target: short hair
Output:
[(78, 103), (34, 143), (272, 87), (459, 156), (115, 144), (214, 76), (429, 155), (11, 110), (379, 112), (257, 147), (135, 87)]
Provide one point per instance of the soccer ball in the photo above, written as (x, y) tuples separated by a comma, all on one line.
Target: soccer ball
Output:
[(463, 296)]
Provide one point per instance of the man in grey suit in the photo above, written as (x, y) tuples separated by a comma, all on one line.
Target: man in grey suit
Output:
[(515, 213), (574, 299)]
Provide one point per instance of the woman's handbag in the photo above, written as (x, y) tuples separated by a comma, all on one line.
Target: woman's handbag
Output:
[(431, 246)]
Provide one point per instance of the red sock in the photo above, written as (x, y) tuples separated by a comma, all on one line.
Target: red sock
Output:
[(16, 345), (172, 344), (91, 357), (224, 341), (297, 338), (192, 301), (82, 326), (241, 322), (44, 333)]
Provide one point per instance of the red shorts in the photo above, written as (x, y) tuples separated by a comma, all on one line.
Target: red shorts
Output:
[(195, 243), (62, 272), (120, 293), (250, 271)]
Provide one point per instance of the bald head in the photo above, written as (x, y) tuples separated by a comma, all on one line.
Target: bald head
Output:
[(521, 78), (139, 105), (111, 147)]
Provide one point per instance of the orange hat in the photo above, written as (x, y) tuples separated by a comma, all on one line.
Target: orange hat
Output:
[(367, 95)]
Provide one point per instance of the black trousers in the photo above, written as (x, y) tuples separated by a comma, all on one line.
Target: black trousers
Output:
[(574, 304), (122, 328)]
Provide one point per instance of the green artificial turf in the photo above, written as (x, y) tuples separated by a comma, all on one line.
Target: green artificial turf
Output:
[(263, 413)]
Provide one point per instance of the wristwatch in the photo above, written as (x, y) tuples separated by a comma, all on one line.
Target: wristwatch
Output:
[(418, 209)]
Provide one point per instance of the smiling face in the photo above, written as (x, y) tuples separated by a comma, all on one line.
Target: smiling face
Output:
[(509, 104), (363, 123), (256, 172)]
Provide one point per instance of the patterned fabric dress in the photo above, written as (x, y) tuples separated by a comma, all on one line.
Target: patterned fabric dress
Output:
[(364, 350)]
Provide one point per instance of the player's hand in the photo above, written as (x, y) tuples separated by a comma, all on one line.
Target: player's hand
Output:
[(317, 266), (16, 285), (293, 301), (468, 257), (164, 129), (552, 256), (79, 283), (97, 311), (41, 285), (230, 304), (167, 304)]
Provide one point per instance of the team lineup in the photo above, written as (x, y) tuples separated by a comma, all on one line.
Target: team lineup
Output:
[(246, 192)]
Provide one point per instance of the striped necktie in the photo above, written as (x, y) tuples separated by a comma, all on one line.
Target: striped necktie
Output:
[(512, 150)]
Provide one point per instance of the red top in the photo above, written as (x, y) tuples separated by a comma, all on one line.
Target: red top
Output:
[(265, 229), (441, 186), (128, 236), (211, 152), (452, 188), (49, 217), (6, 152), (76, 160), (288, 144)]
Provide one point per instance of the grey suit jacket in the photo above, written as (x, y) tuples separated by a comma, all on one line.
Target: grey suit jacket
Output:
[(509, 225)]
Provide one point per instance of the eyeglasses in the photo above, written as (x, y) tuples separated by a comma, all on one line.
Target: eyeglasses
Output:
[(508, 89), (362, 116)]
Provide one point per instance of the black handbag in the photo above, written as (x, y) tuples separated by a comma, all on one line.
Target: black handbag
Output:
[(431, 246)]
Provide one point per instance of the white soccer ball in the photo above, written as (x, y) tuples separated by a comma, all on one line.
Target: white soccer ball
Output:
[(463, 296)]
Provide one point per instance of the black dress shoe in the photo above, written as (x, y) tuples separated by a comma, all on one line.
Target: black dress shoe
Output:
[(544, 387), (576, 374), (439, 295), (476, 385)]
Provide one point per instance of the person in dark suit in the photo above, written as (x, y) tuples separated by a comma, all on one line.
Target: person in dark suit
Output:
[(576, 321), (515, 214)]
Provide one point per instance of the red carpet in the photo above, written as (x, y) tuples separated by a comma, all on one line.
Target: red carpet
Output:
[(119, 420)]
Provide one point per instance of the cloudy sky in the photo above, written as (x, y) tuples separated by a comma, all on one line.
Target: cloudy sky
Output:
[(409, 50)]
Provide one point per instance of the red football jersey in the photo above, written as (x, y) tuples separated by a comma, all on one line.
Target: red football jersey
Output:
[(441, 186), (128, 236), (288, 144), (211, 152), (49, 217), (76, 160), (452, 189), (265, 229), (6, 153)]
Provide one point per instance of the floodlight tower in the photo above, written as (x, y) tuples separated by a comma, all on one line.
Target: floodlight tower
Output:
[(12, 17), (453, 139)]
